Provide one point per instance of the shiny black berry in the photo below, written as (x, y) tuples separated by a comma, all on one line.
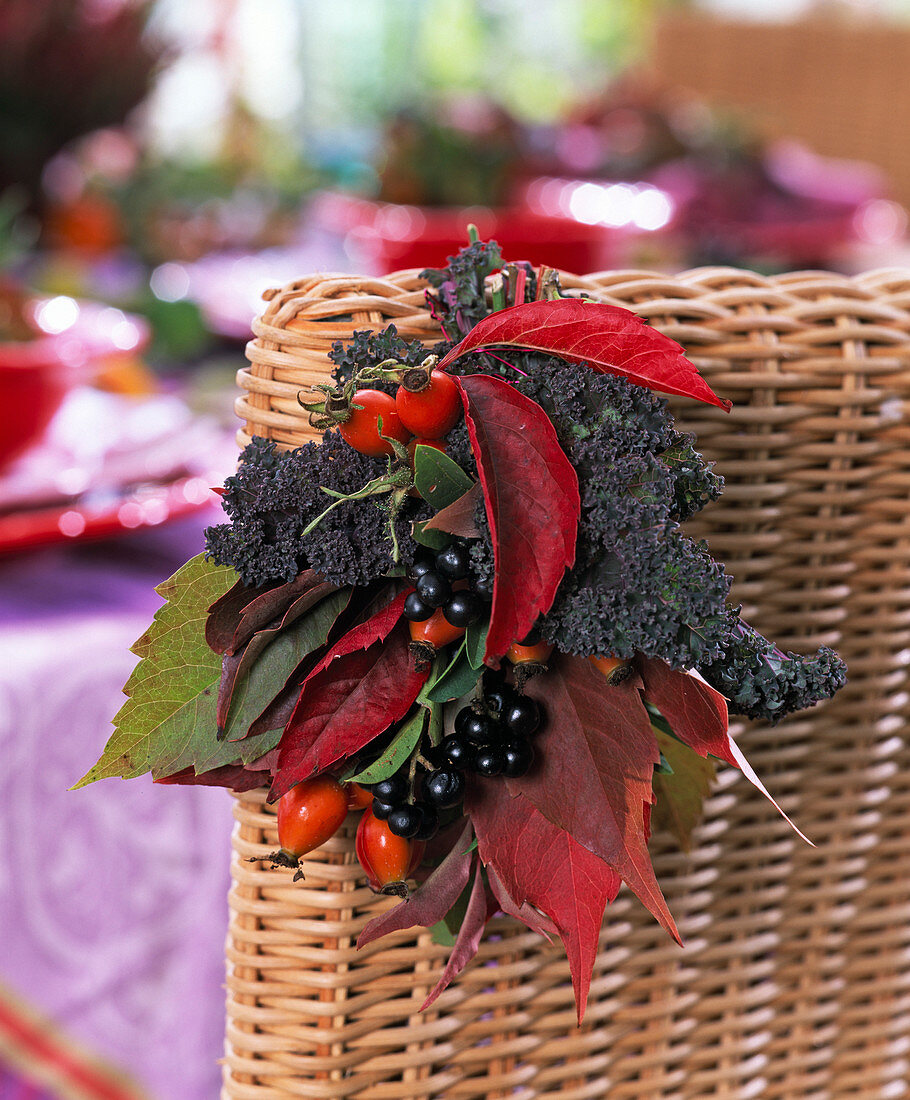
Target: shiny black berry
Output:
[(484, 589), (405, 821), (490, 761), (498, 697), (434, 589), (444, 788), (463, 608), (417, 569), (382, 809), (518, 756), (521, 717), (415, 610), (453, 562), (477, 727), (458, 751), (394, 789), (429, 821)]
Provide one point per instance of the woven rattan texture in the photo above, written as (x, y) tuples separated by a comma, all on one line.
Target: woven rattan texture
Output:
[(795, 980)]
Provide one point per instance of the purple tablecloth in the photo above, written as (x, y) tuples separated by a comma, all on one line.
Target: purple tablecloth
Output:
[(112, 898)]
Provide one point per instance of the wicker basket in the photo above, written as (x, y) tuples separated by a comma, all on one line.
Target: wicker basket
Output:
[(795, 981)]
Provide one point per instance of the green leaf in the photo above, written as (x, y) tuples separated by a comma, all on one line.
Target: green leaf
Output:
[(680, 796), (475, 640), (438, 478), (277, 661), (403, 744), (457, 680), (431, 538), (168, 721)]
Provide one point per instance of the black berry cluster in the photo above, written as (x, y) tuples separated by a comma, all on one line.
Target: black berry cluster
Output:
[(440, 789), (493, 735), (436, 583)]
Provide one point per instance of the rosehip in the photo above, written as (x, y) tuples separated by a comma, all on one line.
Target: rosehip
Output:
[(386, 859), (308, 815), (433, 409), (362, 429)]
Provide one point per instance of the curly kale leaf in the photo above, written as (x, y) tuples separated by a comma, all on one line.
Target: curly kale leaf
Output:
[(274, 496), (367, 348), (460, 298), (761, 681)]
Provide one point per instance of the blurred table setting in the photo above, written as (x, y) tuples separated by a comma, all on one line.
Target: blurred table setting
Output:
[(112, 898)]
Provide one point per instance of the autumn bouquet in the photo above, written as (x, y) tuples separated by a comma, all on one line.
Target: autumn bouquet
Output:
[(471, 613)]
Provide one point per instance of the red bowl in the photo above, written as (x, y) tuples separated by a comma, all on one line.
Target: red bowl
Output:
[(391, 237), (34, 379)]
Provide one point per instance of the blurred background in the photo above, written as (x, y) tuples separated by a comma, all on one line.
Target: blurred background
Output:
[(161, 164)]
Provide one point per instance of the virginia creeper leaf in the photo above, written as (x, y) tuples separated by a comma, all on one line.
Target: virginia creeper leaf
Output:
[(526, 913), (610, 339), (168, 720), (237, 616), (680, 796), (280, 652), (541, 865), (468, 939), (697, 714), (594, 777), (433, 898), (345, 705), (377, 626), (438, 478), (531, 496), (237, 664), (400, 749), (458, 517), (475, 643)]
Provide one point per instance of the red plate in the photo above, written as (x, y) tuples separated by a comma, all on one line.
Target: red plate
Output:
[(141, 507)]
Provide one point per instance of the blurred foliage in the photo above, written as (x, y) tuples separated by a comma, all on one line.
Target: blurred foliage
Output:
[(67, 67)]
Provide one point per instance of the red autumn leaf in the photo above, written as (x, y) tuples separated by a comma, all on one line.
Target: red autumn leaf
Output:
[(526, 913), (373, 629), (697, 714), (540, 864), (531, 494), (595, 772), (345, 705), (433, 898), (468, 939), (610, 339)]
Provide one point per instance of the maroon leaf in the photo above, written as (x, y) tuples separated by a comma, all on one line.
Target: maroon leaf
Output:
[(458, 518), (468, 939), (373, 629), (224, 615), (697, 714), (610, 339), (526, 913), (345, 705), (595, 771), (531, 494), (237, 662), (235, 777), (433, 898), (543, 866), (243, 611)]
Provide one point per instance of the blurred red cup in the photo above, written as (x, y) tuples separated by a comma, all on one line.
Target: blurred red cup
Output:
[(34, 379)]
